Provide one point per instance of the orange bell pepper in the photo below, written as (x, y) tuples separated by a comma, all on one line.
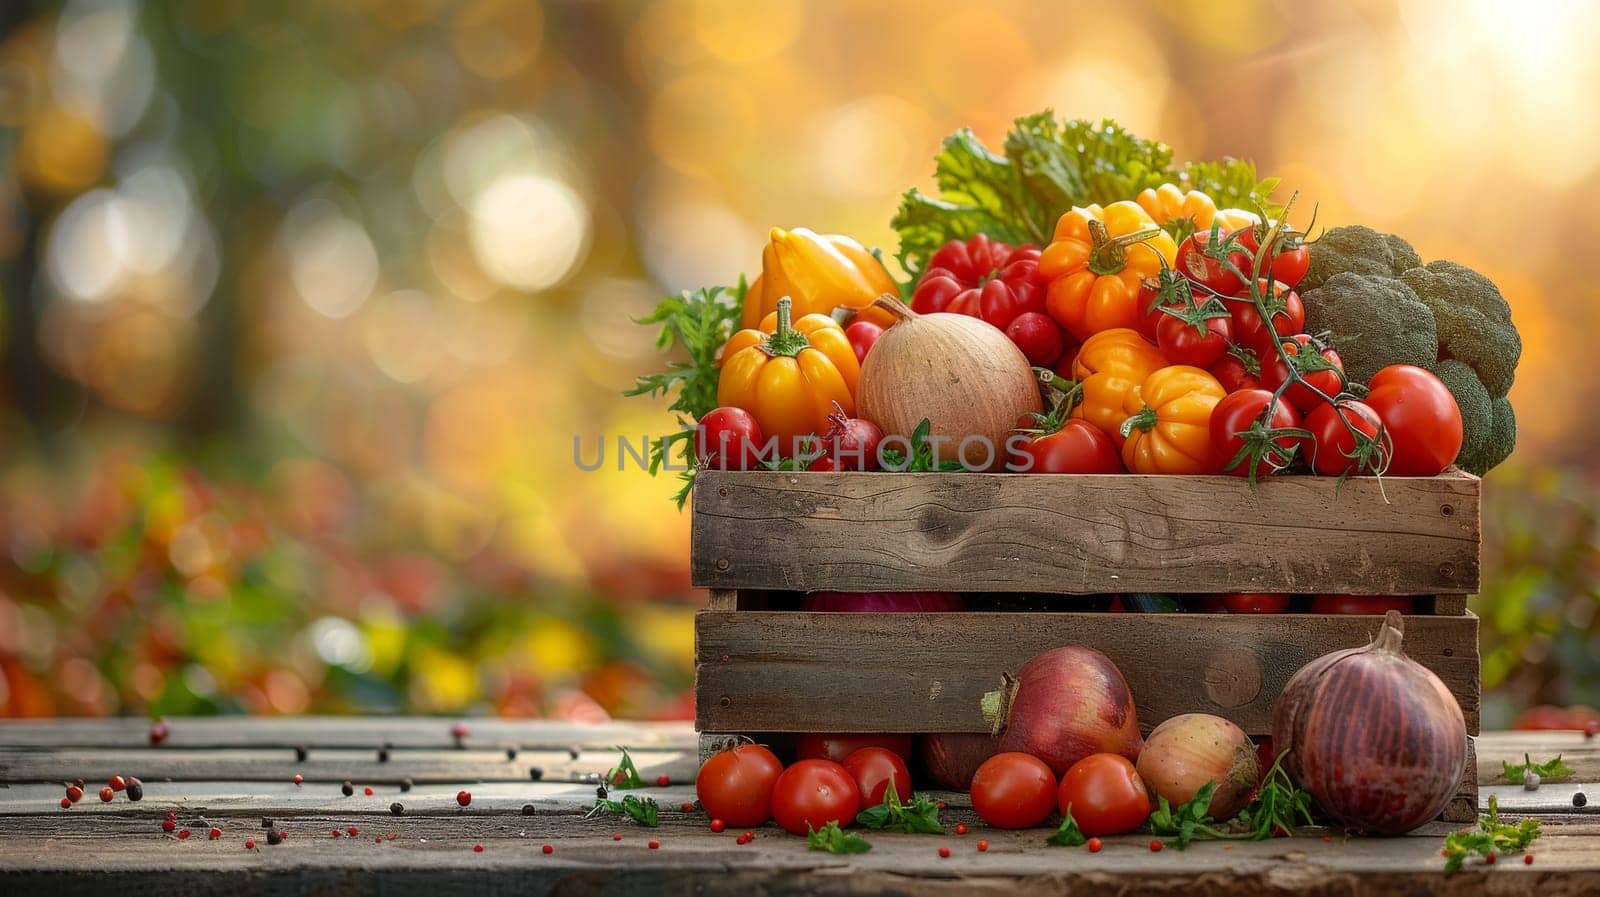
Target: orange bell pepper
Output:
[(1191, 211), (819, 272), (790, 376), (1108, 365), (1168, 426), (1095, 263)]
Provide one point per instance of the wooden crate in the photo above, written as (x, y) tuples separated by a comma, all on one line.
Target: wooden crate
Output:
[(759, 533)]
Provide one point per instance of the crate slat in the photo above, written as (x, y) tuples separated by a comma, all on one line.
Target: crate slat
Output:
[(974, 532), (760, 671)]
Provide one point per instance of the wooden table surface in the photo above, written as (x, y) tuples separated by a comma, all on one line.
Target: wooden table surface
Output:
[(229, 773)]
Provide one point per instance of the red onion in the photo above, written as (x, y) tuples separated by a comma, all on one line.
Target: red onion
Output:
[(883, 602), (952, 757), (851, 442), (1064, 705), (1373, 735), (1184, 753)]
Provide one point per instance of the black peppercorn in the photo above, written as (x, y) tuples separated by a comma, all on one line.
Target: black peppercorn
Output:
[(383, 755), (405, 784), (300, 755), (511, 753), (348, 789), (1579, 799), (266, 822), (274, 838), (535, 773), (134, 788), (397, 808), (528, 810)]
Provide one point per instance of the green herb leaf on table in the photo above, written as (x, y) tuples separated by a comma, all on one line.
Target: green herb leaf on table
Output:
[(921, 817), (1278, 806), (833, 839), (921, 460), (1188, 821), (642, 810), (1549, 771), (1490, 837), (625, 774), (1067, 834)]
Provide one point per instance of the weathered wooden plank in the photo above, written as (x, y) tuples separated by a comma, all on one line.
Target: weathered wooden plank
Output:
[(1577, 751), (331, 765), (723, 599), (817, 672), (1084, 534), (1463, 807), (312, 732)]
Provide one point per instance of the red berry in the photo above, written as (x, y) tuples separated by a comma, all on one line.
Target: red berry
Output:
[(718, 826), (249, 845), (183, 835), (654, 845), (159, 730), (106, 794), (66, 803), (983, 846), (74, 793), (1527, 859), (944, 853), (961, 828), (1155, 846), (1591, 728), (168, 825), (663, 781), (459, 731), (215, 833), (299, 779), (1095, 845), (687, 807), (749, 836), (477, 848), (283, 836), (368, 791), (336, 833), (352, 831), (942, 805), (390, 836), (463, 798), (377, 839), (617, 837), (550, 848), (117, 783), (1489, 860)]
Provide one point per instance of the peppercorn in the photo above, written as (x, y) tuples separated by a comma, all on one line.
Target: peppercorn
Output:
[(183, 835), (535, 773), (983, 846), (266, 822), (299, 754), (167, 825), (663, 781), (348, 789), (1155, 846), (1579, 799), (718, 826), (511, 753), (961, 828), (159, 730), (397, 809), (654, 845), (1527, 859), (215, 833), (528, 810), (405, 784), (383, 755), (944, 853), (74, 793), (601, 792), (274, 839), (618, 836), (687, 806), (1095, 844), (249, 845), (463, 797), (367, 791), (135, 789), (548, 849), (477, 848), (116, 783), (66, 803), (299, 779), (106, 794), (572, 752)]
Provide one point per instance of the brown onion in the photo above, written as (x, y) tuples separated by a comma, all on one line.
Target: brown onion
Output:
[(1184, 753), (952, 757), (1373, 735), (1064, 705), (962, 374)]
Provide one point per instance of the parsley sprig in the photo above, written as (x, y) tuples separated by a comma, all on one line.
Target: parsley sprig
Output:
[(625, 775), (1187, 821), (1067, 834), (833, 839), (1548, 771), (1278, 805), (642, 810), (920, 817), (921, 460), (1490, 837)]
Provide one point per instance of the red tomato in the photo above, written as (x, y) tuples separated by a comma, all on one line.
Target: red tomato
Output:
[(1013, 790), (1287, 312), (1361, 604), (1239, 369), (729, 439), (1038, 336), (834, 746), (1105, 794), (1333, 447), (862, 336), (1169, 288), (1291, 257), (812, 793), (1236, 414), (1078, 447), (1325, 374), (735, 785), (1193, 263), (1200, 345), (1244, 603), (1421, 417), (874, 768), (824, 463)]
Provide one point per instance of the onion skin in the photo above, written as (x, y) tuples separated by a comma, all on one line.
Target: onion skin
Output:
[(962, 374), (1184, 753), (1064, 705), (951, 758), (1373, 735), (883, 602)]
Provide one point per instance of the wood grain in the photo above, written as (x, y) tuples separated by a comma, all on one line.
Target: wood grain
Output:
[(819, 672), (1084, 534)]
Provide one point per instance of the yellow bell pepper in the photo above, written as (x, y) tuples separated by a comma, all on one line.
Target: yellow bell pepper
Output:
[(1195, 210), (1095, 264), (819, 272), (790, 376), (1107, 367), (1168, 426)]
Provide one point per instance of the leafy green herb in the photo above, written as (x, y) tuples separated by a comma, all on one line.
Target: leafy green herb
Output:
[(1232, 183), (624, 775), (698, 322), (1490, 837), (1067, 834), (1548, 771), (833, 839), (1187, 821), (921, 817), (642, 810), (921, 454), (1279, 805)]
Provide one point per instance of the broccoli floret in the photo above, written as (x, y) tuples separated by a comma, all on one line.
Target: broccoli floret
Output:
[(1497, 445), (1374, 321), (1360, 250), (1474, 321), (1477, 408)]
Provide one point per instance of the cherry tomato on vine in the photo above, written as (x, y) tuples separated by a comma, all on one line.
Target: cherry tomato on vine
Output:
[(1105, 794), (812, 793), (1238, 369), (729, 438), (1421, 417), (1078, 447), (1193, 263), (1038, 336), (873, 769), (735, 784), (1362, 604), (1184, 342), (1288, 316), (1235, 415), (1013, 790), (1169, 288), (1333, 447), (862, 336), (1325, 375), (836, 746), (1292, 257), (1244, 603)]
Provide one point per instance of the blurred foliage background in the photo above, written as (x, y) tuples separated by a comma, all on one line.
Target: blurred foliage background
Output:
[(305, 302)]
